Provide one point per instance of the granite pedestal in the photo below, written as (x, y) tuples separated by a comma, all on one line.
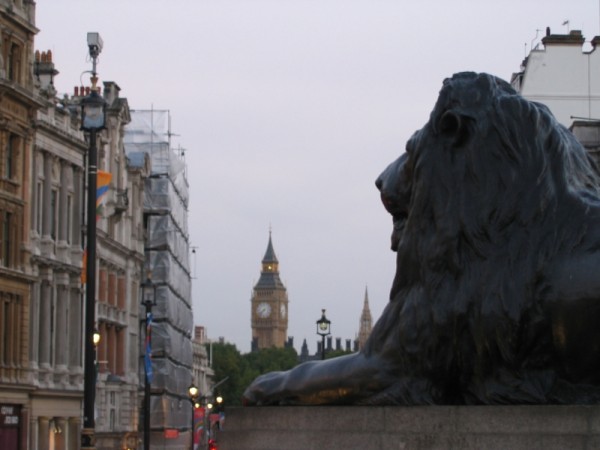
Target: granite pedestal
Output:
[(428, 427)]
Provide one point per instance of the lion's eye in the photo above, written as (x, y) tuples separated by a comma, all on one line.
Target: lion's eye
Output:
[(450, 123)]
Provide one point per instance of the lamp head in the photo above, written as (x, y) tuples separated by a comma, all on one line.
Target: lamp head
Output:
[(148, 292), (323, 325), (93, 109), (96, 338), (193, 391)]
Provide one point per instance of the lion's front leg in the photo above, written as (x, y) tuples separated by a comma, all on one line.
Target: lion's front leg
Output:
[(346, 379)]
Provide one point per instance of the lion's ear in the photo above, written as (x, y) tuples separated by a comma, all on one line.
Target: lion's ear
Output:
[(451, 124)]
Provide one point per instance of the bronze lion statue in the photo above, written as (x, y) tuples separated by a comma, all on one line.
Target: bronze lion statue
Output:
[(496, 297)]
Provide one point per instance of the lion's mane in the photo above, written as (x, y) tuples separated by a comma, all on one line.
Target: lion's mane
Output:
[(489, 193)]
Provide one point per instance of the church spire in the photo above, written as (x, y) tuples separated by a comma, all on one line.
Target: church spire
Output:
[(366, 322)]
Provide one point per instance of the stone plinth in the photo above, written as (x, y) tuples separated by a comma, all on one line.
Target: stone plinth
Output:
[(428, 427)]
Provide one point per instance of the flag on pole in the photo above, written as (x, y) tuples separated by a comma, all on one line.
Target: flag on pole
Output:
[(148, 348), (103, 183), (101, 190)]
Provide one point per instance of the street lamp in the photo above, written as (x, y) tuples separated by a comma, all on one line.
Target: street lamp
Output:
[(148, 300), (193, 393), (323, 329), (92, 121)]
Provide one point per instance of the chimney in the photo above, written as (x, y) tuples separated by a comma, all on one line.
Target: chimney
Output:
[(45, 72)]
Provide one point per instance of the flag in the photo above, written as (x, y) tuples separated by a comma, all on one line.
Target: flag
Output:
[(198, 426), (101, 190), (103, 183), (148, 348)]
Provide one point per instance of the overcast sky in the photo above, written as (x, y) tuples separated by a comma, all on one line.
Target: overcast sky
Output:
[(288, 111)]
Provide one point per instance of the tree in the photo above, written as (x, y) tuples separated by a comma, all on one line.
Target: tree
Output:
[(272, 359), (243, 369), (228, 363), (335, 353)]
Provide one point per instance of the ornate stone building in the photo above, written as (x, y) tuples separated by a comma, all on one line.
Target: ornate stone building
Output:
[(202, 372), (18, 107), (120, 252), (57, 239), (56, 247), (269, 305)]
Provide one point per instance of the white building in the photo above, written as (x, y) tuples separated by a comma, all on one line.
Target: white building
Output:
[(57, 204), (563, 73)]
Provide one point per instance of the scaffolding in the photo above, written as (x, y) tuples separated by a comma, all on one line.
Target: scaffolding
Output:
[(167, 259)]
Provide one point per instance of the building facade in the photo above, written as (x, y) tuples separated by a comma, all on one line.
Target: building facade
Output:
[(119, 273), (562, 73), (57, 197), (57, 240), (18, 108), (202, 372), (269, 305)]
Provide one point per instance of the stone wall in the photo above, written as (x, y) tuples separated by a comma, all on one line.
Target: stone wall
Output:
[(429, 427)]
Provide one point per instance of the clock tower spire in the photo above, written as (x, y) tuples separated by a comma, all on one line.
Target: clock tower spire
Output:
[(269, 304)]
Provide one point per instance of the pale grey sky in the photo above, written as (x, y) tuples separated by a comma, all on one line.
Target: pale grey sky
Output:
[(289, 110)]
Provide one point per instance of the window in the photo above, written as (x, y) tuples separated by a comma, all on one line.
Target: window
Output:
[(112, 413), (14, 63), (10, 324), (53, 213), (7, 244), (68, 216), (52, 320), (12, 148), (39, 208)]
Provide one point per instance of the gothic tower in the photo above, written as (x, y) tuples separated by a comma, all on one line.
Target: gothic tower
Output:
[(269, 305), (366, 322)]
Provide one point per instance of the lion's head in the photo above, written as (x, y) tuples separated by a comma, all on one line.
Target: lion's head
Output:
[(487, 164), (488, 192)]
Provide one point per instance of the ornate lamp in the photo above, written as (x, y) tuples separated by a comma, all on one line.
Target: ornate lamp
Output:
[(323, 329)]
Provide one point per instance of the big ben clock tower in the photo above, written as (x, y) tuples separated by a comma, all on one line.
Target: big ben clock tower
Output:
[(269, 305)]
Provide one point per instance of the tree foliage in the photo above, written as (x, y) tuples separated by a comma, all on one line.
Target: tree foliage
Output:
[(335, 353), (241, 370)]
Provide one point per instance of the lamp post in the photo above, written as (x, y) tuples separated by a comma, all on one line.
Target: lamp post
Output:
[(193, 394), (148, 300), (323, 329), (92, 121)]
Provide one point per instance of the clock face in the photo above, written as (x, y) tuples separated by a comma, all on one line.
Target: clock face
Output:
[(263, 310), (282, 311)]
